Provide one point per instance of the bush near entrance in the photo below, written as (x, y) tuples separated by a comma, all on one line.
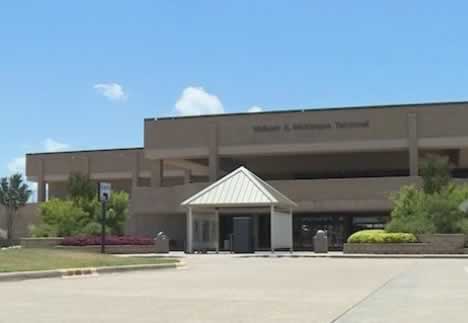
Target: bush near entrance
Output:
[(80, 212), (434, 208), (380, 236)]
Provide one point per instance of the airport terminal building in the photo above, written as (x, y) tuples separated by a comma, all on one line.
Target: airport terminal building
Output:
[(338, 165)]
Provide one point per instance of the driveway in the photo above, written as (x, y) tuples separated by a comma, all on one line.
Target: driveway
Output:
[(225, 288)]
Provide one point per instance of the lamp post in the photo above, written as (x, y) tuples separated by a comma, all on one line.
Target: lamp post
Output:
[(103, 227), (104, 193)]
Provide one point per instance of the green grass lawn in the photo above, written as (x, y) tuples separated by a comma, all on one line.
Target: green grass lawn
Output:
[(45, 259)]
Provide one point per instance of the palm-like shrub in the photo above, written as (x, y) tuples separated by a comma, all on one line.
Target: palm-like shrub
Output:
[(14, 194)]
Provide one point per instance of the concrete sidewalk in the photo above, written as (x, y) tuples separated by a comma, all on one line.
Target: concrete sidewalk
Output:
[(236, 289), (430, 292)]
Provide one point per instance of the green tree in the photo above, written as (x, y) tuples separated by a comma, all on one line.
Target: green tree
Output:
[(409, 213), (81, 212), (414, 211), (68, 218), (435, 172), (117, 210), (61, 218), (82, 192), (80, 187), (443, 211), (14, 194)]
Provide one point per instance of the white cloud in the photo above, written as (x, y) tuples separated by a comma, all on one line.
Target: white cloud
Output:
[(112, 91), (50, 145), (255, 108), (196, 101), (17, 165)]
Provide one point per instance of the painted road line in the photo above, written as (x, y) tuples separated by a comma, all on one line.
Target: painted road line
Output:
[(79, 273)]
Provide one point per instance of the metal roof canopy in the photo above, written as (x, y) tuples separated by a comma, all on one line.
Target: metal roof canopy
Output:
[(240, 188)]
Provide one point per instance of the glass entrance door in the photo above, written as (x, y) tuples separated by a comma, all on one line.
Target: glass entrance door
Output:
[(261, 230)]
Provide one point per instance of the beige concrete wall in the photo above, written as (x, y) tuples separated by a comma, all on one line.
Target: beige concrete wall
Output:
[(442, 121), (150, 224), (387, 128), (59, 189), (337, 164), (240, 130), (327, 195), (123, 168), (119, 167), (164, 200), (25, 217), (96, 164)]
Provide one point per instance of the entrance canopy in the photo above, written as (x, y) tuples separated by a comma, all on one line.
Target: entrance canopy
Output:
[(240, 189)]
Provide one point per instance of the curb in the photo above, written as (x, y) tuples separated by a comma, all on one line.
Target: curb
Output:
[(365, 256), (76, 272)]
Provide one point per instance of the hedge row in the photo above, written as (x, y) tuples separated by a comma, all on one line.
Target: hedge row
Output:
[(380, 236), (110, 240)]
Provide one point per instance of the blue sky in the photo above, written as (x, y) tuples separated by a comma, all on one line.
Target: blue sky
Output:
[(84, 75)]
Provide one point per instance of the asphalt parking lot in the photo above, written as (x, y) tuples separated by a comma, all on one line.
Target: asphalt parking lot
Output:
[(225, 288)]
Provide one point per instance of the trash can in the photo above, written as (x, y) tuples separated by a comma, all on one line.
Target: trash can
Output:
[(321, 242), (161, 243)]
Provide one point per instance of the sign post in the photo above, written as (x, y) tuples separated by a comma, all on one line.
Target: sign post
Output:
[(104, 193)]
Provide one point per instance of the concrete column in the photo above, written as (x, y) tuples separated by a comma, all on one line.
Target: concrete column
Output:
[(187, 176), (41, 191), (41, 185), (131, 222), (189, 238), (272, 228), (413, 144), (291, 221), (213, 159), (157, 173), (136, 171), (463, 158), (217, 230)]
